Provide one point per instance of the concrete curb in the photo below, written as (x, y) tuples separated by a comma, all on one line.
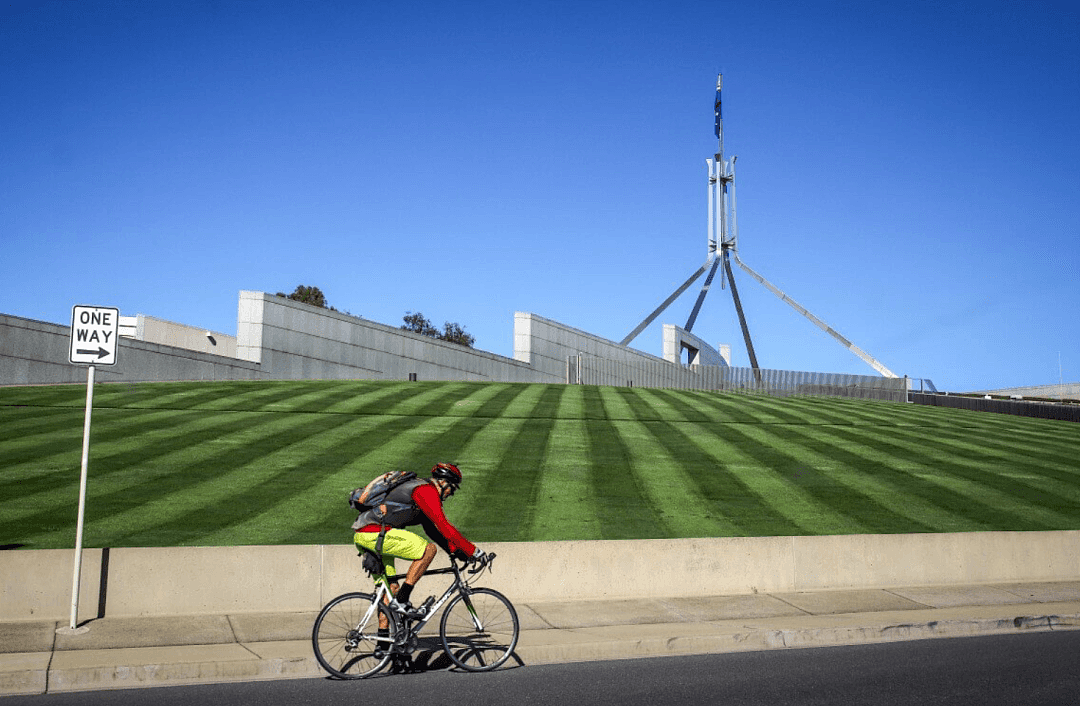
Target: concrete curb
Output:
[(737, 636), (67, 667)]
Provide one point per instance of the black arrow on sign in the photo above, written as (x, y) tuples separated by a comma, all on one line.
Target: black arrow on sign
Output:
[(101, 352)]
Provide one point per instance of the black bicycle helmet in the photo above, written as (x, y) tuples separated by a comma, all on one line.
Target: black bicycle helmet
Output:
[(447, 472)]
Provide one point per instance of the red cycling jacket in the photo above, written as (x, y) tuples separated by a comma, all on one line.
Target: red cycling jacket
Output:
[(432, 518)]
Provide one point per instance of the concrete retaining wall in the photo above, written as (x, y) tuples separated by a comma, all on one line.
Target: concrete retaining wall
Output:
[(35, 352), (192, 338), (295, 341), (281, 339), (201, 580), (549, 345)]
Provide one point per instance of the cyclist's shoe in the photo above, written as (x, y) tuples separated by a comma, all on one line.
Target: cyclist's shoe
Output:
[(407, 610), (383, 645)]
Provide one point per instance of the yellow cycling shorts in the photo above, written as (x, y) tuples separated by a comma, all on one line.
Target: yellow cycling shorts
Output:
[(398, 544)]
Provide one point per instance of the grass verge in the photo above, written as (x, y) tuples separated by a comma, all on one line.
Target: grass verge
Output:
[(238, 463)]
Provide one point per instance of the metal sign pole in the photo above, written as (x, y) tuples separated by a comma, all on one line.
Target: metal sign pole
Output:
[(75, 579), (95, 331)]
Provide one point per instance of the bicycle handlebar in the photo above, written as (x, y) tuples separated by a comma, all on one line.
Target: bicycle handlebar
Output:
[(482, 564)]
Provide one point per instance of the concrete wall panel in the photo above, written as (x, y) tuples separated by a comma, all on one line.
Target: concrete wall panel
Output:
[(137, 361), (935, 559), (194, 580), (36, 585), (197, 580), (280, 339)]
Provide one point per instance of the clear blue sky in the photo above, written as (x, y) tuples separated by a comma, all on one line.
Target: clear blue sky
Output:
[(908, 171)]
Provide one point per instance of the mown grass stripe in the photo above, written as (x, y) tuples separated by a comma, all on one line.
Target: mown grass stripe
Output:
[(623, 403), (849, 510), (720, 472), (53, 462), (617, 498), (908, 467), (930, 469), (1061, 464), (311, 501), (733, 408), (426, 399), (362, 399), (133, 518), (17, 423), (879, 495), (511, 401), (483, 401), (661, 476), (571, 403), (273, 445), (775, 483), (564, 492), (676, 408), (504, 505), (887, 467), (314, 399), (801, 412), (981, 473), (668, 487), (215, 397)]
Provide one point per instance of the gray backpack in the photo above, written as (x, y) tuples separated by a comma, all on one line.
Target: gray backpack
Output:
[(373, 501)]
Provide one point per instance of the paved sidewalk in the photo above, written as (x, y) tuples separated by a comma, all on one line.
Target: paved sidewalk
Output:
[(136, 652)]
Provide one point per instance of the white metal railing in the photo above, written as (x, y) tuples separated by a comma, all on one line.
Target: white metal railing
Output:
[(589, 370)]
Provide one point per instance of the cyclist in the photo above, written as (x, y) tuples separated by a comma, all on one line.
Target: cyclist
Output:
[(426, 495)]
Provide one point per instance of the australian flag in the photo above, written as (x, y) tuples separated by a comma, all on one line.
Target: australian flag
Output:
[(716, 107)]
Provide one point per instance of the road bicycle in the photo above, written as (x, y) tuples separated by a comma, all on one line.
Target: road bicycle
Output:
[(478, 627)]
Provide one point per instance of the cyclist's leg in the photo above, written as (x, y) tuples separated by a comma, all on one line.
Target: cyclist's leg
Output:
[(404, 544), (418, 567), (368, 540)]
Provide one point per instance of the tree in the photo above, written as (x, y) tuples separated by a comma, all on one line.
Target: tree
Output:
[(308, 295), (455, 333), (418, 323), (451, 333)]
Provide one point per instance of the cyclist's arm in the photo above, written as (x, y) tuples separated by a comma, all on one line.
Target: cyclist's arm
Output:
[(437, 526)]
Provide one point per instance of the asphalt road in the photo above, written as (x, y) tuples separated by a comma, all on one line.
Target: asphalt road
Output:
[(1036, 668)]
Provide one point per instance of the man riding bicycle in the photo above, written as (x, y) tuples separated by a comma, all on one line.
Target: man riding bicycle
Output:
[(426, 496)]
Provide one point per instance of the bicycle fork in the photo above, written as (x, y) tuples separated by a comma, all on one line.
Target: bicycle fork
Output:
[(465, 597)]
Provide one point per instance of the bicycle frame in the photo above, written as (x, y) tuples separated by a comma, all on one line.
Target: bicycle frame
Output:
[(459, 585), (478, 635)]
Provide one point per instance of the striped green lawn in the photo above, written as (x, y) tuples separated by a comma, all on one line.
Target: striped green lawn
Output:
[(272, 462)]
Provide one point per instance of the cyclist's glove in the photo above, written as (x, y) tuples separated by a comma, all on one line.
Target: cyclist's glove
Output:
[(479, 555)]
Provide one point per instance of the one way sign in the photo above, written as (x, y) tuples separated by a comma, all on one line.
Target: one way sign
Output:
[(94, 330)]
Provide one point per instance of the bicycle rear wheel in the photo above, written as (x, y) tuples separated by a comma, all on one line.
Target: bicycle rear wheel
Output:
[(345, 636), (479, 630)]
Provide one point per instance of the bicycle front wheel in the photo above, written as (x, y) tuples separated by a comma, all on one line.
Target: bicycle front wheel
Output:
[(479, 630), (345, 636)]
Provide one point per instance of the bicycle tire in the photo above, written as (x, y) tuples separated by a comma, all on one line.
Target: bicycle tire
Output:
[(479, 649), (345, 647)]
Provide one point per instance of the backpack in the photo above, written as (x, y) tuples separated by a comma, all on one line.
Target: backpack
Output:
[(372, 498)]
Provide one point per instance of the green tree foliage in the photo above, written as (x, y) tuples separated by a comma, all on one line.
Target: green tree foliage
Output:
[(451, 332), (308, 295), (456, 333), (418, 323)]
